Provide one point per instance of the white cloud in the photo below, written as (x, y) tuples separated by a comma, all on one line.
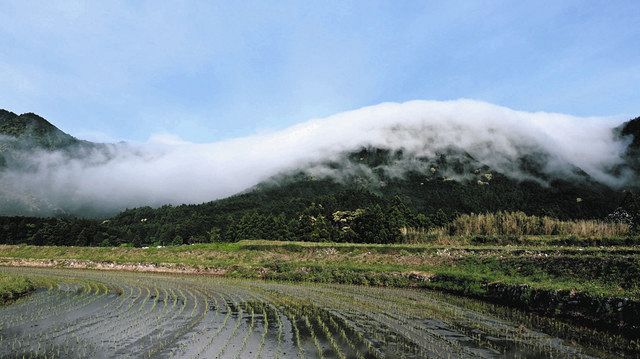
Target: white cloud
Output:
[(168, 169)]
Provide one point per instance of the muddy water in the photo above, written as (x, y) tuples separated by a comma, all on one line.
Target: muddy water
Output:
[(94, 314)]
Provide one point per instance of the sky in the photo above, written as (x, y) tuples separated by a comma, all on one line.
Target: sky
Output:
[(208, 71)]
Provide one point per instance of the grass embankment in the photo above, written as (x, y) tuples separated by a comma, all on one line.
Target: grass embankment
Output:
[(590, 284), (13, 287)]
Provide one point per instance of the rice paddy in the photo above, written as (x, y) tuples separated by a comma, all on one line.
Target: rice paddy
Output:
[(99, 314)]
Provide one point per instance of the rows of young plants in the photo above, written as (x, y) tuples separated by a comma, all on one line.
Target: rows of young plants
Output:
[(99, 314)]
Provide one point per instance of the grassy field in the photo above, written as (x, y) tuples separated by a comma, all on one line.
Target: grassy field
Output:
[(583, 280)]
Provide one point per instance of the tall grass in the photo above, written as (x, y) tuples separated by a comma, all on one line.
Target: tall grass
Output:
[(519, 223)]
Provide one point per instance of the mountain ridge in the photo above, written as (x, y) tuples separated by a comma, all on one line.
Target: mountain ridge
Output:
[(35, 130), (451, 181)]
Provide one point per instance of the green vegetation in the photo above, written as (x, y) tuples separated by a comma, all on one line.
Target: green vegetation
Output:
[(13, 287), (354, 216)]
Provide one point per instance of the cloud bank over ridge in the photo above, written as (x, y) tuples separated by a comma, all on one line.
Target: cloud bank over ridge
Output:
[(168, 170)]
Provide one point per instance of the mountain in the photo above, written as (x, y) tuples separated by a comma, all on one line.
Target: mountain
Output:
[(429, 192), (23, 140), (31, 133), (448, 182), (389, 186), (33, 130)]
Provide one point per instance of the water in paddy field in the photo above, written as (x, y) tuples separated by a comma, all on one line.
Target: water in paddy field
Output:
[(93, 314)]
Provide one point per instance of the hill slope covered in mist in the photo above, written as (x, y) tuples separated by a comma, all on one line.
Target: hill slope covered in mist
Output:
[(450, 177), (28, 143), (417, 190)]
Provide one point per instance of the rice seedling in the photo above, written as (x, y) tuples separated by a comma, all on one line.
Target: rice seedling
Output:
[(97, 314)]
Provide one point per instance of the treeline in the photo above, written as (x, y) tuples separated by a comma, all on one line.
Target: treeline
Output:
[(56, 231), (374, 224), (299, 211), (347, 216)]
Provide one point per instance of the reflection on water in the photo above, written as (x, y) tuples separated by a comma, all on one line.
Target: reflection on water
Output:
[(115, 315)]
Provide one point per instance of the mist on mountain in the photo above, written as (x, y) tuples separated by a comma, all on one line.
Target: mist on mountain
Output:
[(47, 172)]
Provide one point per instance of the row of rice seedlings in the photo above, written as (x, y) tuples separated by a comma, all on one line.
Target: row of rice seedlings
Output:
[(314, 337), (34, 337), (249, 330), (48, 349), (28, 303), (341, 301), (197, 316), (266, 306), (169, 314), (380, 335), (52, 333), (265, 328), (239, 312), (391, 305), (112, 310), (197, 319), (296, 333), (288, 310), (336, 328), (477, 324), (137, 322), (48, 310), (144, 329), (593, 339), (368, 322), (329, 335), (412, 337), (178, 305), (104, 287), (63, 328), (297, 314), (113, 323), (479, 328), (107, 333), (285, 295), (389, 309), (212, 336), (280, 334), (160, 320)]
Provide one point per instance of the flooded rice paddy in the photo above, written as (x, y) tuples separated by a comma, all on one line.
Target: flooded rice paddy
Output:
[(98, 314)]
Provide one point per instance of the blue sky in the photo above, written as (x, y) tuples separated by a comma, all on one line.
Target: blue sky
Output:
[(205, 71)]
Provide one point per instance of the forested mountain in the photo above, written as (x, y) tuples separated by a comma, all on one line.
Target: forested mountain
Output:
[(31, 129), (29, 143), (368, 201)]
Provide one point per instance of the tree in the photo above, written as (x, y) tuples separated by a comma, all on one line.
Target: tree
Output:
[(214, 235), (631, 204), (321, 231), (83, 239), (177, 240), (374, 227)]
